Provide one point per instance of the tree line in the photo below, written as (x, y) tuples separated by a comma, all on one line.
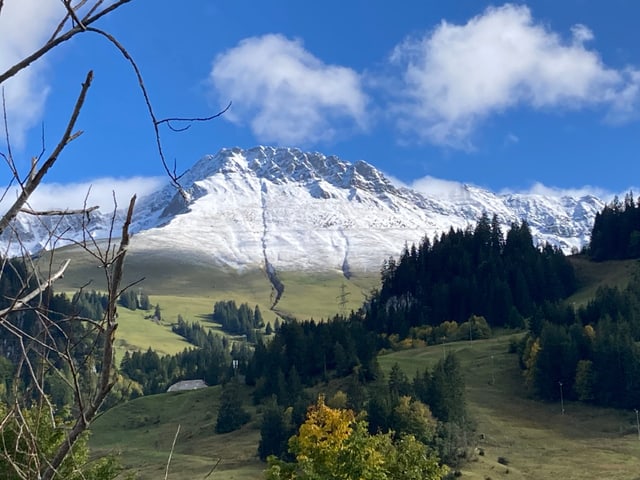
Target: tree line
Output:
[(471, 272), (303, 353), (239, 320), (589, 354), (155, 373), (616, 231), (431, 409)]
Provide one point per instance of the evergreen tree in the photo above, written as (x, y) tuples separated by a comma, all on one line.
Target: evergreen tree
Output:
[(399, 385), (231, 414), (446, 397), (144, 303), (275, 431)]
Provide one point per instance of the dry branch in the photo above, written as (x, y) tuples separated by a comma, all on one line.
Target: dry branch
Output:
[(35, 179), (24, 300), (54, 42), (105, 382), (51, 213)]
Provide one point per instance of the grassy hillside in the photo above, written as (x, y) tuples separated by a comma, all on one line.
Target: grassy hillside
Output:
[(536, 439), (185, 287), (591, 275), (142, 432)]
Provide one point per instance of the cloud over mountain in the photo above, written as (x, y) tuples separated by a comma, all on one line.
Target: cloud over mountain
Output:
[(456, 76), (285, 93)]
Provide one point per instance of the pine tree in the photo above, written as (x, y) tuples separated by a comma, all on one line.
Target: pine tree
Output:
[(231, 414), (275, 430)]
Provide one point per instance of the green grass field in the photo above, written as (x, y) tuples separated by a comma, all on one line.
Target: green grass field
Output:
[(537, 440), (191, 289), (141, 433), (591, 275), (321, 295)]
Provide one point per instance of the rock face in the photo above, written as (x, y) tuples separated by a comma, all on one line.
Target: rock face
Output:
[(285, 209)]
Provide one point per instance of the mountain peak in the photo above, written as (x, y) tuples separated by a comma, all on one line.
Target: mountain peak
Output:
[(283, 208), (285, 164)]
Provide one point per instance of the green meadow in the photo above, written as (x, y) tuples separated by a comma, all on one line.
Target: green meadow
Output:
[(535, 438), (190, 289)]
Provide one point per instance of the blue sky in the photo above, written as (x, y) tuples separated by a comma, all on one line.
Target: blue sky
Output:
[(541, 95)]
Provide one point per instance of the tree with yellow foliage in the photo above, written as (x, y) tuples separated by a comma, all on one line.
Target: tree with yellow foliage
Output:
[(333, 444)]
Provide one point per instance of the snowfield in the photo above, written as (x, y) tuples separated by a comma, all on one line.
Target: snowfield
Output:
[(298, 210)]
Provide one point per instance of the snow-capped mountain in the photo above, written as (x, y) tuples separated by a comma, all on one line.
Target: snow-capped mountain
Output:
[(284, 209)]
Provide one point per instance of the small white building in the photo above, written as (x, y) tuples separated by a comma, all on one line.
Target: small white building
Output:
[(187, 385)]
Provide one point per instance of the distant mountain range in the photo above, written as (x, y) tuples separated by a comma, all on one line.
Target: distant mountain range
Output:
[(285, 209)]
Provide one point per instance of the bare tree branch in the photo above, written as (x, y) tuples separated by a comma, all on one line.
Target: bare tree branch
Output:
[(64, 20), (173, 446), (34, 180), (173, 175), (23, 301), (191, 120), (24, 63), (72, 13), (9, 156), (46, 343), (42, 213), (105, 382)]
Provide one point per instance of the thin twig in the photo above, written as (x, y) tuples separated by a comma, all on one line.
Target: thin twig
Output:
[(173, 176), (72, 13), (7, 137), (145, 94), (25, 62), (191, 120), (64, 20), (173, 445)]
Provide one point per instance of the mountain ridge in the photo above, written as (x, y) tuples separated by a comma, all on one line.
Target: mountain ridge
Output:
[(282, 208)]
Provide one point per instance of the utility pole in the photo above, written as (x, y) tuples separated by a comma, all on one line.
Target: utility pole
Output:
[(493, 376), (342, 299), (637, 423), (561, 398)]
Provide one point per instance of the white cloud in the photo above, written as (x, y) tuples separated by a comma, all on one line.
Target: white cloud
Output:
[(556, 192), (538, 188), (50, 196), (457, 75), (24, 26), (286, 94), (437, 187), (452, 190), (511, 139)]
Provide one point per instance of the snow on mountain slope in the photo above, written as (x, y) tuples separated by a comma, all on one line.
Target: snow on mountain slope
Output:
[(281, 208)]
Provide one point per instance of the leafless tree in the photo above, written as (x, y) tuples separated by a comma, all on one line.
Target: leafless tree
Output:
[(48, 349)]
